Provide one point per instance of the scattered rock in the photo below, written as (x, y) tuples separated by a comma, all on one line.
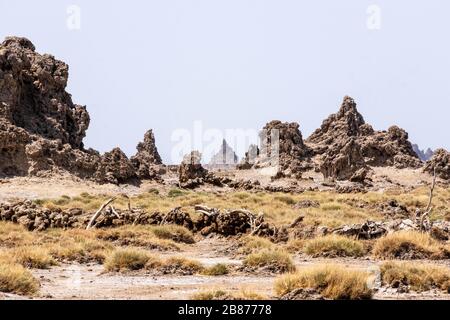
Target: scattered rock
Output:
[(306, 204), (441, 162), (302, 294), (367, 230)]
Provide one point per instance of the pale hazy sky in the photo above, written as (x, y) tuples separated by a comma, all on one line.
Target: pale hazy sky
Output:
[(241, 63)]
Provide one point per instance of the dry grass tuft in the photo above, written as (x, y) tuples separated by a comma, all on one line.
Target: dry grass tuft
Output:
[(33, 257), (181, 265), (409, 245), (14, 278), (127, 260), (224, 295), (334, 246), (271, 259), (144, 236), (173, 232), (218, 269), (253, 243), (331, 281), (420, 277)]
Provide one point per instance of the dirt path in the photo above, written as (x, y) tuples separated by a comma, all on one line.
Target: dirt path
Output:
[(76, 281), (88, 282)]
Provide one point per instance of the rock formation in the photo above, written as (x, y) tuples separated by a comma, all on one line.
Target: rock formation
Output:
[(147, 161), (423, 155), (191, 172), (225, 157), (115, 167), (346, 144), (249, 158), (40, 126), (282, 145), (41, 129), (441, 162)]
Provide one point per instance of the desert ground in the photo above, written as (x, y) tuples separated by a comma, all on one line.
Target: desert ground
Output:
[(170, 261), (350, 212)]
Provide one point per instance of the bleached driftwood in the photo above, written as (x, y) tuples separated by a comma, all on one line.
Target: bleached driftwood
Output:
[(425, 216), (99, 212)]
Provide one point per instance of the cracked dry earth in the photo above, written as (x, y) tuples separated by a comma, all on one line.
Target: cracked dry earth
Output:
[(89, 281)]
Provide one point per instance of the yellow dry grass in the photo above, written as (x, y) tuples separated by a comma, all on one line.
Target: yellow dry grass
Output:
[(331, 281), (334, 246), (273, 259), (420, 277), (335, 209), (14, 278), (409, 245)]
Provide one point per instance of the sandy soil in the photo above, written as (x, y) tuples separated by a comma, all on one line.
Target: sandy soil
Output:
[(88, 281), (57, 186)]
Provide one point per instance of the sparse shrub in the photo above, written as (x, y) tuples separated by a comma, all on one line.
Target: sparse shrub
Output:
[(33, 257), (420, 277), (181, 265), (153, 191), (126, 259), (254, 243), (285, 199), (334, 246), (333, 206), (175, 193), (409, 245), (14, 278), (295, 245), (143, 236), (330, 281), (273, 260), (218, 269), (224, 295), (173, 232), (241, 195), (211, 295)]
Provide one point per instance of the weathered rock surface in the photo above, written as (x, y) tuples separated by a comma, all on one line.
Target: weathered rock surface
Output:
[(42, 130), (441, 162), (346, 144), (191, 172), (115, 167), (147, 161), (282, 144), (40, 126)]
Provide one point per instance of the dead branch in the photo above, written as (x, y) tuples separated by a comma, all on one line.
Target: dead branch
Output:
[(115, 212), (99, 211), (210, 212), (296, 221), (137, 218), (429, 208), (129, 201)]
